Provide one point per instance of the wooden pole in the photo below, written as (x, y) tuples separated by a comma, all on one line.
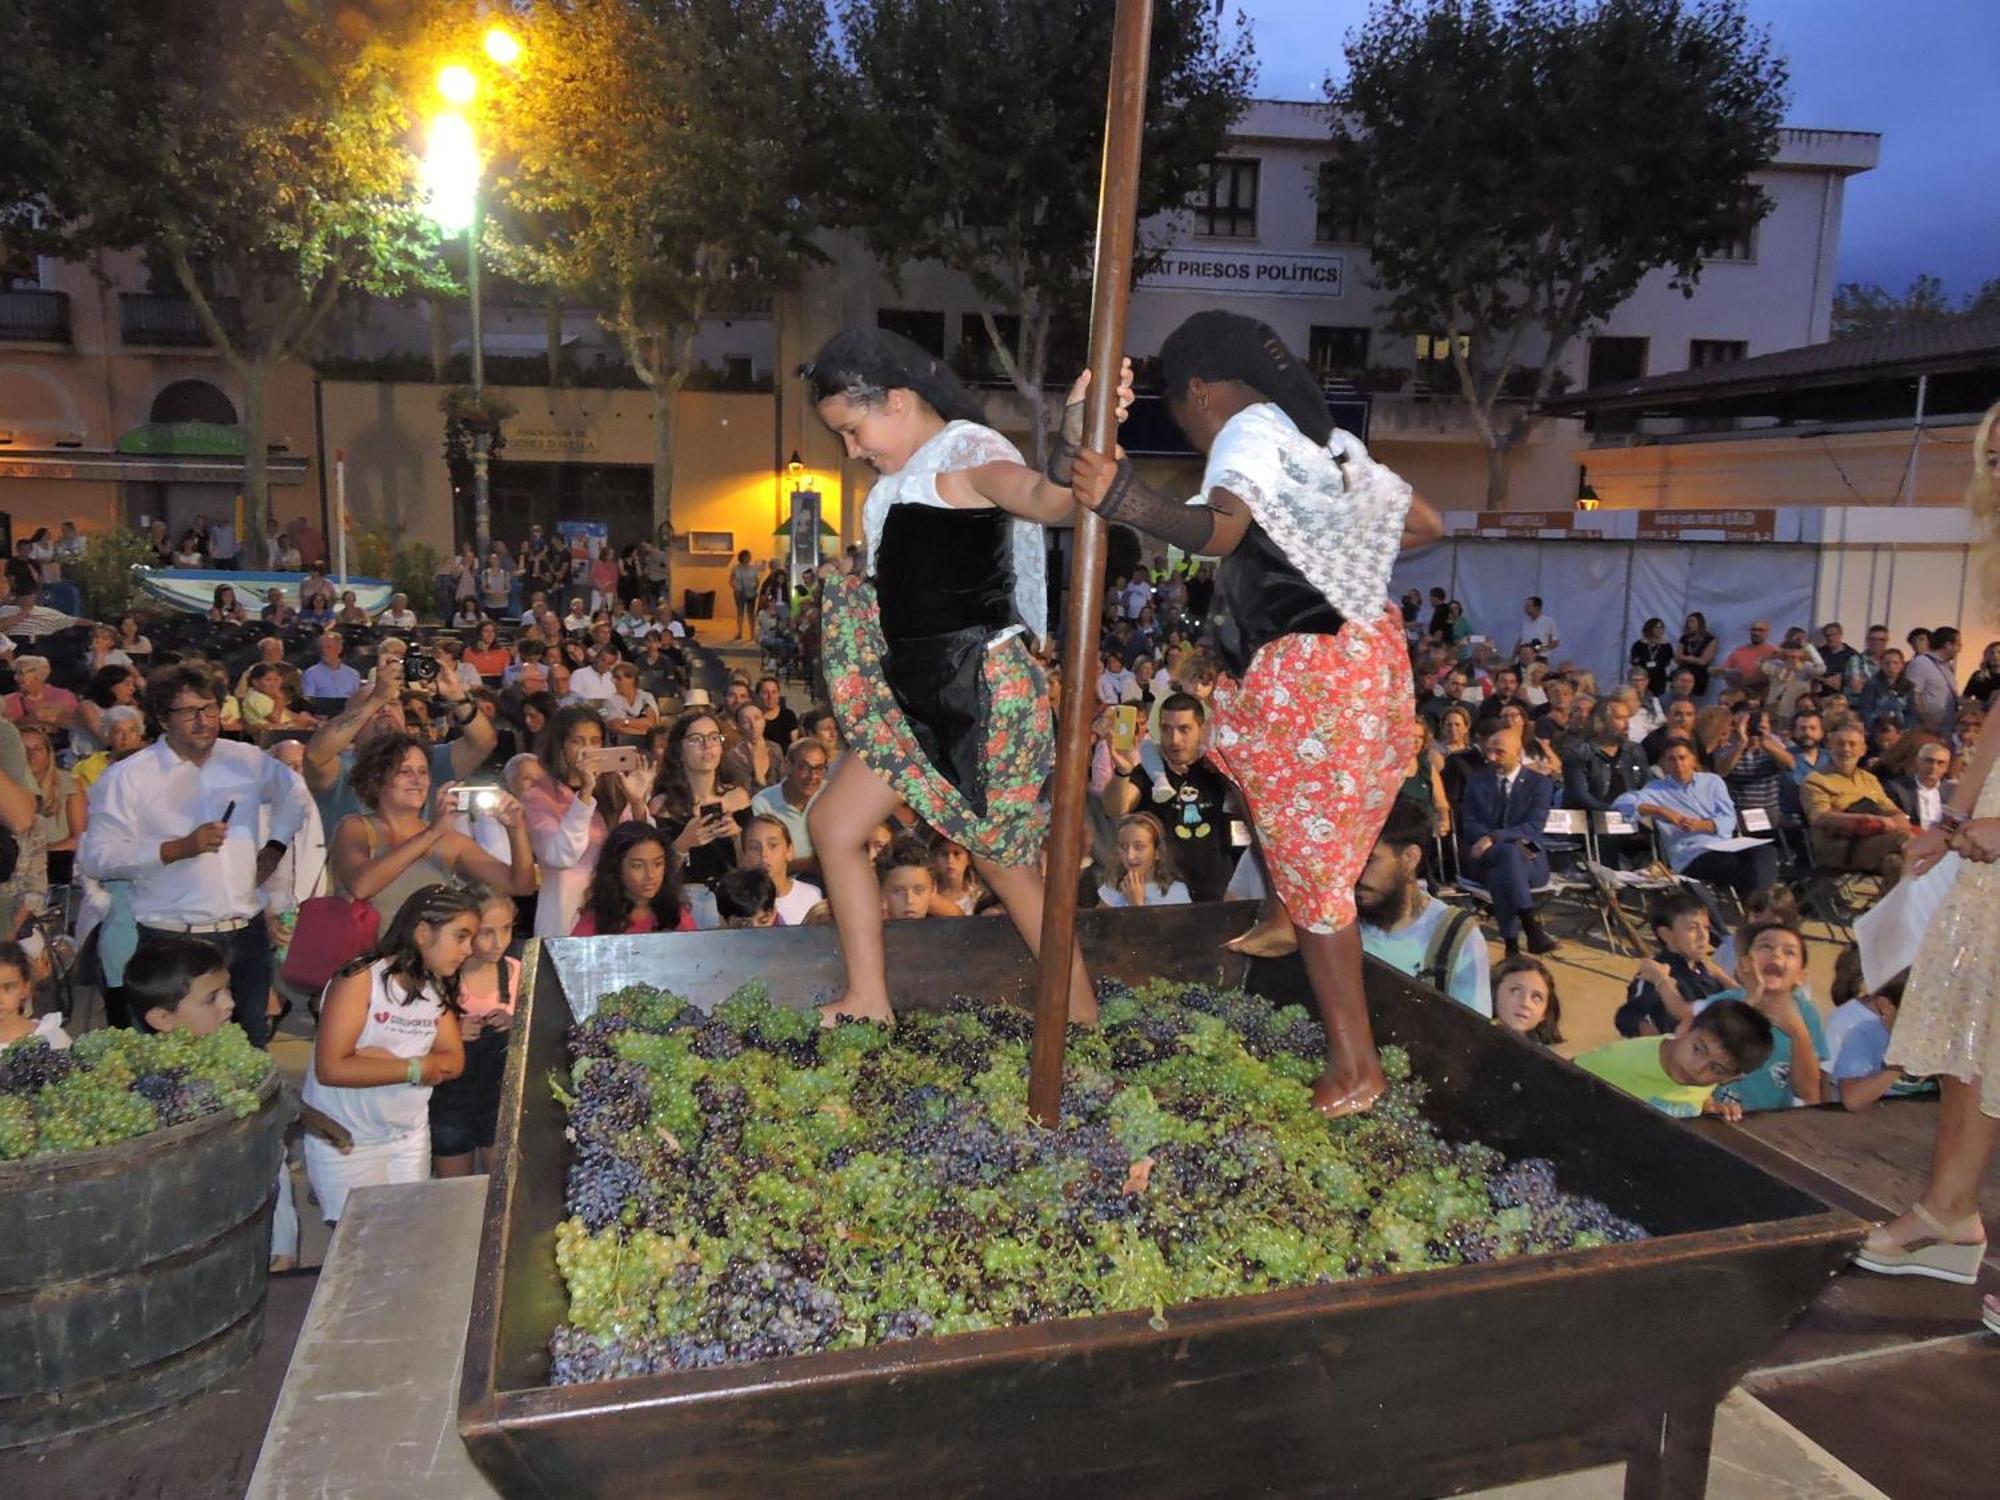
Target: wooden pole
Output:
[(1117, 215)]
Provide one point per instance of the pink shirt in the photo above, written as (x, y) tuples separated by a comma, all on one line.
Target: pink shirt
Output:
[(51, 705), (642, 921), (567, 833)]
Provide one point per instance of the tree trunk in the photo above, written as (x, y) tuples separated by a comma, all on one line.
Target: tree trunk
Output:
[(663, 473), (553, 329), (1499, 471), (256, 454)]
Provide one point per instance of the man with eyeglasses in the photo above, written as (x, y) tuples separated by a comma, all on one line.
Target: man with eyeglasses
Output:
[(805, 774), (181, 821)]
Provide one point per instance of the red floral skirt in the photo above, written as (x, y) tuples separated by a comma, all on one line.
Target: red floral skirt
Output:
[(1316, 736)]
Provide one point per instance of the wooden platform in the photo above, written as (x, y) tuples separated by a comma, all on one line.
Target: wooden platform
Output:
[(1890, 1374)]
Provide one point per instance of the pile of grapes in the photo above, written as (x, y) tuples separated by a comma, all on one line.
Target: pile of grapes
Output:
[(750, 1186), (116, 1084)]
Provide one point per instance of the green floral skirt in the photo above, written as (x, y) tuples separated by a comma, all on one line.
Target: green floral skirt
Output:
[(1019, 735)]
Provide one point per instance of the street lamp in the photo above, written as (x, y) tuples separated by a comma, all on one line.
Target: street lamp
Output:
[(452, 170)]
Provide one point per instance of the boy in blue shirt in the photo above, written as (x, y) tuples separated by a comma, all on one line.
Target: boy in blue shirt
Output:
[(1770, 978), (1857, 1037)]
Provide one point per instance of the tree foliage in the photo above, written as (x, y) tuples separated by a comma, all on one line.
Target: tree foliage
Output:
[(974, 135), (1862, 308), (258, 151), (656, 157), (1522, 165)]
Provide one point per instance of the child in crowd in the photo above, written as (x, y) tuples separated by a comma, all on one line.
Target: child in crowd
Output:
[(636, 887), (1667, 987), (1857, 1037), (1525, 999), (880, 837), (17, 1002), (746, 898), (465, 1111), (388, 1035), (1679, 1075), (958, 884), (904, 869), (182, 984), (767, 846), (1771, 977), (1776, 903), (1145, 873)]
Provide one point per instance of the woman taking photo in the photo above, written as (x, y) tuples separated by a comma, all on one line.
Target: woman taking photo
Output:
[(384, 855), (698, 803), (636, 887), (938, 700), (571, 811), (1316, 681)]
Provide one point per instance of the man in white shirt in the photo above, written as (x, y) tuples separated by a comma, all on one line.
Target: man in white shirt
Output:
[(399, 615), (1407, 929), (222, 546), (197, 824), (1138, 593), (791, 799), (1537, 629), (594, 681)]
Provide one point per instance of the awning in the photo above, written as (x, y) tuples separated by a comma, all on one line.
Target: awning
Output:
[(192, 590)]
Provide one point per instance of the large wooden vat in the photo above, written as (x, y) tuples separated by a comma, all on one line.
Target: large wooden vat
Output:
[(1415, 1384), (133, 1276)]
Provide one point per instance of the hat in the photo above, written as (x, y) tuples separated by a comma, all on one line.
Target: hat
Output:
[(697, 698)]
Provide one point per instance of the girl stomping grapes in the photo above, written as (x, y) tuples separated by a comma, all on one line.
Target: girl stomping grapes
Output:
[(929, 676), (1316, 670)]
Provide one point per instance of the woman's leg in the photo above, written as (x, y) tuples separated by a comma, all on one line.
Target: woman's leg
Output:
[(1353, 1078), (1960, 1154), (847, 809), (1021, 890)]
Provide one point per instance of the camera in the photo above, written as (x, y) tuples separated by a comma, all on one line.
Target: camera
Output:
[(420, 669)]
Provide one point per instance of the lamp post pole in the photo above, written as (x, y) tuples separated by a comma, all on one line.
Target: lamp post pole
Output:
[(482, 435)]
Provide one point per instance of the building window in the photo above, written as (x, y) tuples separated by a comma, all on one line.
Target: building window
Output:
[(1435, 374), (1337, 353), (1745, 248), (1705, 352), (978, 361), (1226, 204), (1340, 220), (924, 329), (1613, 361)]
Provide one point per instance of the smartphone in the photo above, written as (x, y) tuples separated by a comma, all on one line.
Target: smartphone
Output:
[(611, 759), (709, 811), (1125, 728), (474, 799)]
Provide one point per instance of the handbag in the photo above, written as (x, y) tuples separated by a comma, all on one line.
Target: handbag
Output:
[(332, 931)]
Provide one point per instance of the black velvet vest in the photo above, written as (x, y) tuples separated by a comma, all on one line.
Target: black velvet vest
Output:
[(1260, 596)]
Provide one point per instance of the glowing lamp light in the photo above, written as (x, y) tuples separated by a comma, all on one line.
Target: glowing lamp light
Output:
[(457, 85), (502, 47), (451, 172)]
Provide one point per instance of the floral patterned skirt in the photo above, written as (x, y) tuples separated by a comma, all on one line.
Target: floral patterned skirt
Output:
[(1315, 737), (1018, 733)]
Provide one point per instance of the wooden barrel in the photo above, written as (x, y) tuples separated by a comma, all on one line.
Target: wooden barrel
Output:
[(133, 1275)]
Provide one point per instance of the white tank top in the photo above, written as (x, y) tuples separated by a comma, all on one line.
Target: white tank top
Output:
[(405, 1029)]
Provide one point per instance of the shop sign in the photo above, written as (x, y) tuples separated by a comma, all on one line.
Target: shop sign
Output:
[(1708, 525)]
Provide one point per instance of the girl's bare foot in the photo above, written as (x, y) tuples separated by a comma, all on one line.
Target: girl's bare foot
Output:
[(1335, 1095), (849, 1006), (1272, 937)]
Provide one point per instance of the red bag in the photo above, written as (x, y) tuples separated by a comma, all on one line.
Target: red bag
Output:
[(331, 932)]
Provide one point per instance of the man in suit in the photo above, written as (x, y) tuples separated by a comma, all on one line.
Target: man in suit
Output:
[(1500, 822), (1926, 792)]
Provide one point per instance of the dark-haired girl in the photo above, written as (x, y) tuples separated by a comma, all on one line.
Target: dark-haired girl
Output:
[(636, 887), (926, 651), (388, 1033), (1653, 652), (1316, 687)]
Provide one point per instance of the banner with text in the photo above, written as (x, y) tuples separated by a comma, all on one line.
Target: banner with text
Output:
[(1247, 273)]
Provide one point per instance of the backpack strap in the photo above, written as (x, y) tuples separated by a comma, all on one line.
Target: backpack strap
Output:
[(1435, 970)]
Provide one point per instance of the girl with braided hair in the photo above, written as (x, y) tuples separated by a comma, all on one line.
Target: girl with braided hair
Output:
[(926, 646), (1316, 672)]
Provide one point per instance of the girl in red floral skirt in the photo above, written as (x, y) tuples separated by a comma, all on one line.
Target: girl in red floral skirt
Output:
[(1316, 679)]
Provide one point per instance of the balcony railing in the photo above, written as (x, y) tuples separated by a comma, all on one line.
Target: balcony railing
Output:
[(34, 317), (153, 321)]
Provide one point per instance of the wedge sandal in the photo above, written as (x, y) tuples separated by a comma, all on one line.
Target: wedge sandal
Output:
[(1931, 1255)]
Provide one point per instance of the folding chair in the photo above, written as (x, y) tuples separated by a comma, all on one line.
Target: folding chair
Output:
[(1614, 884), (1829, 896), (1558, 826)]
